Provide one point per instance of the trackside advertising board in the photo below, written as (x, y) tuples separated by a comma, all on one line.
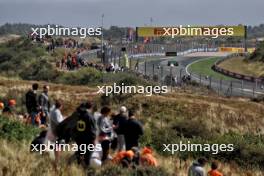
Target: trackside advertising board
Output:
[(191, 31)]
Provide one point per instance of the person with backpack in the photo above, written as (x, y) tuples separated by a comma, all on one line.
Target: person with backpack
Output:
[(105, 131), (197, 168), (32, 102), (214, 171), (119, 122), (133, 131), (44, 104)]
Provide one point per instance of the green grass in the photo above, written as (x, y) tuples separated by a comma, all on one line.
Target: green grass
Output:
[(204, 67)]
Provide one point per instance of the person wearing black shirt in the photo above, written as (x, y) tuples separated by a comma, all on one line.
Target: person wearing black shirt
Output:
[(119, 122), (133, 131), (32, 102), (81, 127), (38, 141)]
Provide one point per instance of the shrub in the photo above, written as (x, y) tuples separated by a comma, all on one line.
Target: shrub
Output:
[(16, 131), (40, 70), (83, 76)]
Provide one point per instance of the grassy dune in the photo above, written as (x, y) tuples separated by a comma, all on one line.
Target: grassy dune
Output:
[(215, 115), (192, 114), (251, 65), (16, 160), (242, 66)]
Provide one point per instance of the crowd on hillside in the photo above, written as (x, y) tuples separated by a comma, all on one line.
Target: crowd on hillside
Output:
[(75, 61), (117, 131), (116, 134)]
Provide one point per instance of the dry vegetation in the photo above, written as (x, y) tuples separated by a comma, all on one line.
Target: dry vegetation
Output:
[(220, 114), (16, 160), (242, 66), (6, 38)]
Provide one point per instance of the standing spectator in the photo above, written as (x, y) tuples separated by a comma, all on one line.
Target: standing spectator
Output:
[(105, 131), (85, 130), (133, 131), (74, 62), (119, 122), (79, 59), (32, 102), (63, 62), (44, 104), (69, 63), (197, 168), (55, 118), (214, 171)]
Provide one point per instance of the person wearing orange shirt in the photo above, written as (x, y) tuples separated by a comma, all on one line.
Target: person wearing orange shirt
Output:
[(124, 158), (214, 171), (147, 158)]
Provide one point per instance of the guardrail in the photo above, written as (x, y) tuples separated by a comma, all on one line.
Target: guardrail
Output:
[(216, 68)]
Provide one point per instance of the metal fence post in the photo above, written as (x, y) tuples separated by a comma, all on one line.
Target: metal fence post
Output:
[(180, 76), (231, 88), (220, 85), (210, 81), (145, 69), (171, 77), (242, 87), (161, 74), (130, 63), (153, 70)]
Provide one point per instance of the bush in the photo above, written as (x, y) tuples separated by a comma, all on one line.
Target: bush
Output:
[(248, 149), (83, 76), (16, 131), (40, 70), (193, 128)]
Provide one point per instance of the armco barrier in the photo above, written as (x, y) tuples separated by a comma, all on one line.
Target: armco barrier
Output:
[(216, 68)]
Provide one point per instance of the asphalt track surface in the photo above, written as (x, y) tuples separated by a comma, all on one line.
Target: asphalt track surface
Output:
[(224, 87), (160, 68)]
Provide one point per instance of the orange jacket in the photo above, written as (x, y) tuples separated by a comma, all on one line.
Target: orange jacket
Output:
[(120, 155), (214, 173), (147, 158)]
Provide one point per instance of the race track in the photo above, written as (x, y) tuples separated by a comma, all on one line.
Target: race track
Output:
[(227, 87)]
